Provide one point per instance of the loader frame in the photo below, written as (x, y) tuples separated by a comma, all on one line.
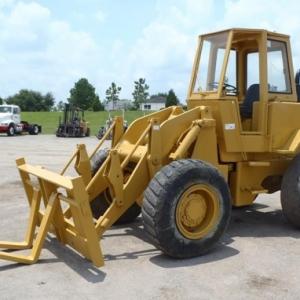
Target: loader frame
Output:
[(74, 224), (250, 155)]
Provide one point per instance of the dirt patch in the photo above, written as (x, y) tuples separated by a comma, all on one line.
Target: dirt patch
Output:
[(261, 282)]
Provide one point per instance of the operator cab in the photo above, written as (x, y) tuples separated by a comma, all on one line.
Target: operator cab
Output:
[(251, 67)]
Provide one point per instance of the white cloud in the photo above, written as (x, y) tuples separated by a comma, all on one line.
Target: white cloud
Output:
[(39, 51), (100, 16), (280, 16), (24, 26), (42, 53), (155, 56), (164, 52), (5, 3)]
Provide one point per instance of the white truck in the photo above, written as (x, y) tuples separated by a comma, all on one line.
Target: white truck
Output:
[(11, 124)]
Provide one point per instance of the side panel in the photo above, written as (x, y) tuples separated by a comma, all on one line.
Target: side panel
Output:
[(283, 122), (247, 181), (227, 123), (234, 143), (230, 126)]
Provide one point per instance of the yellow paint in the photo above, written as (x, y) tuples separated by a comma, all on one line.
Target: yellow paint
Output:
[(197, 211)]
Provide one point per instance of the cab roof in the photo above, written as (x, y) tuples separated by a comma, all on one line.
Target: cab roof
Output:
[(247, 30), (9, 105)]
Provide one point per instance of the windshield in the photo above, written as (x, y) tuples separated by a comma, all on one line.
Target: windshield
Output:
[(210, 64), (5, 109)]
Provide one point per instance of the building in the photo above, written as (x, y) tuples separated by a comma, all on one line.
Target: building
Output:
[(154, 103), (119, 105)]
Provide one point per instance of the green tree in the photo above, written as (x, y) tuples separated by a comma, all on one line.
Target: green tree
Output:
[(32, 100), (171, 99), (83, 94), (60, 106), (159, 95), (140, 93), (112, 94), (97, 105), (1, 101), (48, 101)]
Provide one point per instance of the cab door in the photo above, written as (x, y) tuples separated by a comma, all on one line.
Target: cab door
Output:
[(16, 115), (284, 110)]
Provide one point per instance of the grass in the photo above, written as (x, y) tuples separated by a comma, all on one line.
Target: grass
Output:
[(49, 120)]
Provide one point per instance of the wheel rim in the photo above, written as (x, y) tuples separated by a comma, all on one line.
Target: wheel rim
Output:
[(36, 129), (11, 130), (197, 211)]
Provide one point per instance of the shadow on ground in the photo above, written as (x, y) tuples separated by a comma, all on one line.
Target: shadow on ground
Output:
[(255, 221), (136, 229), (76, 262)]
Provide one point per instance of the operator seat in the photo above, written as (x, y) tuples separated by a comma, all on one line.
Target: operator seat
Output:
[(298, 92), (252, 95)]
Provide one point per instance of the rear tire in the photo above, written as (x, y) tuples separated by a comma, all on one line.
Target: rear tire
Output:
[(34, 130), (101, 203), (186, 208), (290, 192)]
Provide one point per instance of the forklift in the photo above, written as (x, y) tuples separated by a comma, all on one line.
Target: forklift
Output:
[(73, 123)]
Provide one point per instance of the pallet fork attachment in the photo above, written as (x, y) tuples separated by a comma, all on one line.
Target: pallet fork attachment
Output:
[(77, 229), (74, 225)]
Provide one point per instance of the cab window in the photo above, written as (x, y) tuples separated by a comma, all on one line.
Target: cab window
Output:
[(211, 62), (252, 69), (5, 109), (230, 81), (278, 71)]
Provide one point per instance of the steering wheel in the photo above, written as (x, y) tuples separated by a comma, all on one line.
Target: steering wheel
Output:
[(227, 87)]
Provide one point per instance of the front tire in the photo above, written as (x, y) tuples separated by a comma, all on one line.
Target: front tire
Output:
[(186, 208), (290, 192), (11, 131)]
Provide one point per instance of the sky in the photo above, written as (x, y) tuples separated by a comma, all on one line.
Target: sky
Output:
[(48, 45)]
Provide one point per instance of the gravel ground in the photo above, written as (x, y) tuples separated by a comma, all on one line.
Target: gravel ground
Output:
[(258, 257)]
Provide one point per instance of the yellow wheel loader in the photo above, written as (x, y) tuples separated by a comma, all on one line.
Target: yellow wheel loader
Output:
[(182, 169)]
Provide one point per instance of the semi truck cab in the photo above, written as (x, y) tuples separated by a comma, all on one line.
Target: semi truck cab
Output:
[(11, 124)]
